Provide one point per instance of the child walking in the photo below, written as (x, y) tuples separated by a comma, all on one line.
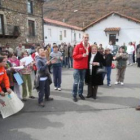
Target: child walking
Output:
[(121, 64), (57, 67)]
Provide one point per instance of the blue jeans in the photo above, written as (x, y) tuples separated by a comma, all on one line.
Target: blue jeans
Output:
[(108, 69), (70, 62), (79, 77), (57, 76)]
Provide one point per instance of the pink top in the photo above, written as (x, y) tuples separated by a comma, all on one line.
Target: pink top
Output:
[(14, 62)]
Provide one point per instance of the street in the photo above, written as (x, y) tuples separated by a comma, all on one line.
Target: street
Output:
[(111, 117)]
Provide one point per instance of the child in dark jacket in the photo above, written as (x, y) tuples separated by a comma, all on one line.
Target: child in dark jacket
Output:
[(44, 80), (108, 60)]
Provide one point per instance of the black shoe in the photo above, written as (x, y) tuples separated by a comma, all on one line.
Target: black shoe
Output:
[(94, 98), (88, 96), (32, 97), (82, 97), (49, 99), (75, 99)]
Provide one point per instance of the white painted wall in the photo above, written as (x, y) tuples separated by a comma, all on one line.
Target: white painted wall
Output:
[(130, 31), (54, 37)]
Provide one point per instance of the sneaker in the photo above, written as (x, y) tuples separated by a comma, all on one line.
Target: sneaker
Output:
[(75, 99), (109, 85), (131, 64), (116, 83), (82, 97), (59, 89), (55, 88), (122, 83), (41, 104)]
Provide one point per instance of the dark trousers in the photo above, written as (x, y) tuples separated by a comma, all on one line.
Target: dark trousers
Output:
[(92, 90), (44, 89), (133, 57), (70, 62), (57, 76), (138, 62)]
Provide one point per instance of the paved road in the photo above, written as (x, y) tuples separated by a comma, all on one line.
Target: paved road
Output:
[(111, 117)]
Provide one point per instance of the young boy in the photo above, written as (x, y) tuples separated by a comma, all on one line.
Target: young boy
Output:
[(3, 77), (57, 67), (108, 60), (43, 74)]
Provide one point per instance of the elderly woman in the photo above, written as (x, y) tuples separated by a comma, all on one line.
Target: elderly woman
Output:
[(93, 79)]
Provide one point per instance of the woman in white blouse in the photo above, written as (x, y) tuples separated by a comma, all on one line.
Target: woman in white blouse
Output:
[(92, 79)]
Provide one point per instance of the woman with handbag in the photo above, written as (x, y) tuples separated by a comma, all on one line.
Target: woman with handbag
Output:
[(94, 72)]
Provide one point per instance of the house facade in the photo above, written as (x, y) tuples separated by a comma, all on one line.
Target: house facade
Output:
[(60, 32), (21, 22), (114, 27)]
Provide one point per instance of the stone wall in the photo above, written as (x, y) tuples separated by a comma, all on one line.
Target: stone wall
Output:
[(15, 14)]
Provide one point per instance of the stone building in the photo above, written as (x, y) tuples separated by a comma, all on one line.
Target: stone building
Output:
[(21, 21)]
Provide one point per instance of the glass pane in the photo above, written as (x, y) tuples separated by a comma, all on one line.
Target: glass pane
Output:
[(31, 25), (0, 24), (29, 6)]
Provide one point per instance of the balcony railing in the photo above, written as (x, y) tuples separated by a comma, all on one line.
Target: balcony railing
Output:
[(10, 31)]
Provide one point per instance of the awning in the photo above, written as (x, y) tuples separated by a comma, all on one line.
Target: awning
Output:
[(112, 29)]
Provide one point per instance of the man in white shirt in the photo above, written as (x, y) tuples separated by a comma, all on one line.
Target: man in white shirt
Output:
[(110, 46), (130, 50)]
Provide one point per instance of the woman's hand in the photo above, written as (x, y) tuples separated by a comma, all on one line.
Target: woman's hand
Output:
[(95, 63)]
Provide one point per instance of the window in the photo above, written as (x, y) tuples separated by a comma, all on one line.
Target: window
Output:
[(112, 37), (60, 35), (49, 33), (30, 7), (1, 25), (65, 33), (74, 36), (31, 26), (79, 36)]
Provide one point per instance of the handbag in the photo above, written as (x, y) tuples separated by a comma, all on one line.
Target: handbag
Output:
[(101, 70)]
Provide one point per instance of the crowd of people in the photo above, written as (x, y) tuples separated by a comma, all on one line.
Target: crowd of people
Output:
[(91, 64)]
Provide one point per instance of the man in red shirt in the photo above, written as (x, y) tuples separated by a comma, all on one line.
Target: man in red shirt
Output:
[(80, 57)]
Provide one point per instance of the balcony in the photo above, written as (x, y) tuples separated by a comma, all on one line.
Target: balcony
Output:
[(10, 31)]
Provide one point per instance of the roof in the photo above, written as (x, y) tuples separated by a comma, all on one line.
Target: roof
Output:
[(106, 16), (59, 23), (112, 29)]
